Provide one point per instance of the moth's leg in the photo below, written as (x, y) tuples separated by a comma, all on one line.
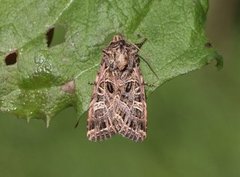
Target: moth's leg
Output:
[(91, 83), (149, 66), (149, 85)]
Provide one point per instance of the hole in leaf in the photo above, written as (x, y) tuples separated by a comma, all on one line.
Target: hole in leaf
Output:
[(49, 36), (55, 35), (11, 58), (208, 45)]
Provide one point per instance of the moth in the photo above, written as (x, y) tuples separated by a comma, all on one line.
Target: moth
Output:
[(118, 104)]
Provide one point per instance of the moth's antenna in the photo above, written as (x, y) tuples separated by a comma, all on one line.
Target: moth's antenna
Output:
[(149, 66), (138, 46)]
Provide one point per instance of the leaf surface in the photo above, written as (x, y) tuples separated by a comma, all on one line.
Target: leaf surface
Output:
[(41, 82)]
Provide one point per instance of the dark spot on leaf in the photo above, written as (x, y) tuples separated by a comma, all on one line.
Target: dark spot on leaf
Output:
[(11, 58), (49, 36), (68, 87), (208, 45)]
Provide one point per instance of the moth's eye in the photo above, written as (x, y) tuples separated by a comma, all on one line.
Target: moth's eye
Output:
[(110, 87), (128, 87)]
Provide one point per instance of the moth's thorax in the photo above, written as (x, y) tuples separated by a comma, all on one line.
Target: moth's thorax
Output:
[(121, 59), (119, 53)]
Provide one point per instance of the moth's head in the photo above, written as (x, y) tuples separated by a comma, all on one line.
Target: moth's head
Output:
[(117, 53), (117, 38)]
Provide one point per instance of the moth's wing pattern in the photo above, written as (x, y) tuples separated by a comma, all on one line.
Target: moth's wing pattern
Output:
[(132, 103), (118, 103), (99, 123)]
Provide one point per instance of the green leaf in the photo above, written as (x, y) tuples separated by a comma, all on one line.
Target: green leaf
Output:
[(44, 80)]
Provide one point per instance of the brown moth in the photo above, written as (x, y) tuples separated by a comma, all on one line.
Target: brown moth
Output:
[(118, 104)]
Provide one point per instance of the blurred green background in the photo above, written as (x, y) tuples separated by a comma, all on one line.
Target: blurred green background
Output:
[(193, 126)]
